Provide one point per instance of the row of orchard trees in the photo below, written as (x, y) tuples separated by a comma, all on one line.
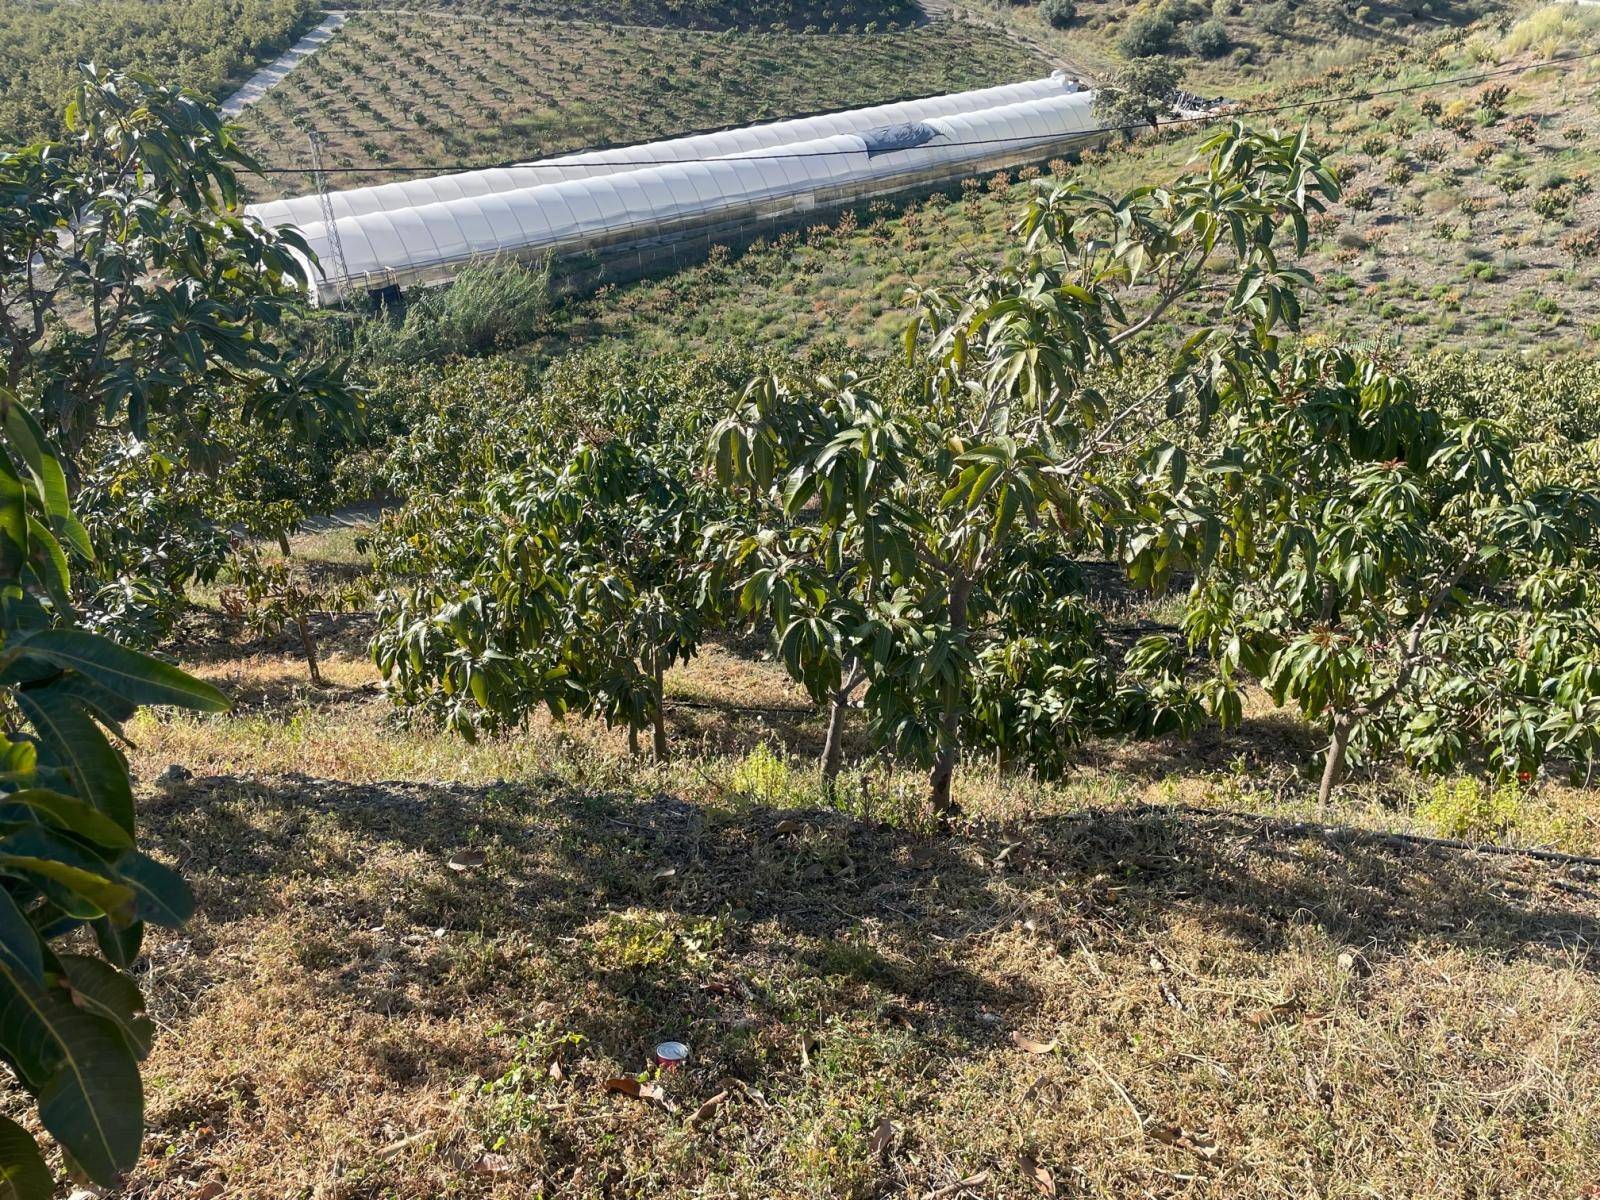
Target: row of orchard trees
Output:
[(140, 316), (911, 534)]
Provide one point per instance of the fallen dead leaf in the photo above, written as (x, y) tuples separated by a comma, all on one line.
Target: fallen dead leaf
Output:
[(1023, 1042), (882, 1137), (1273, 1014), (807, 1045), (1037, 1173), (209, 1190), (628, 1086), (491, 1164), (1196, 1141), (556, 1071), (467, 860), (709, 1109), (665, 873), (787, 825)]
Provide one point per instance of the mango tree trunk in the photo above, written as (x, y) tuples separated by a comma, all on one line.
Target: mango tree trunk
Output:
[(660, 717), (949, 753), (308, 647)]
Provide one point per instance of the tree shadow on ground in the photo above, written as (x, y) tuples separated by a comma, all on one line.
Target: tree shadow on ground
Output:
[(207, 638), (666, 916)]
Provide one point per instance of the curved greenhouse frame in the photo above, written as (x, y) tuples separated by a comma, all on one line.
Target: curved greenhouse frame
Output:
[(411, 193), (655, 208)]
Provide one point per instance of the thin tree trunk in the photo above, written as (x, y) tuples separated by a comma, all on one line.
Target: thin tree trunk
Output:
[(283, 544), (633, 740), (833, 748), (944, 763), (308, 646), (660, 719), (1333, 766), (838, 714)]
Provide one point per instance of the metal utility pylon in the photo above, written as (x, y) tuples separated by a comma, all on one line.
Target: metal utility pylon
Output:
[(319, 177)]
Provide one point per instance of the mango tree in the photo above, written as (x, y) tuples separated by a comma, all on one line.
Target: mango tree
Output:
[(1405, 578), (572, 582), (1025, 405), (133, 298), (146, 320)]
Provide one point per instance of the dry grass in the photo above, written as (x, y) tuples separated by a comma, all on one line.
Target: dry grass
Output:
[(1321, 1015), (1210, 1004)]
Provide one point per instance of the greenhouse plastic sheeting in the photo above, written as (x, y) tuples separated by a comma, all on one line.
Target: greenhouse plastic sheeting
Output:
[(306, 210), (413, 244)]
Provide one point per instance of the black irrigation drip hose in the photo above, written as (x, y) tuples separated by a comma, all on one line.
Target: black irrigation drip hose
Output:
[(789, 710), (1202, 118)]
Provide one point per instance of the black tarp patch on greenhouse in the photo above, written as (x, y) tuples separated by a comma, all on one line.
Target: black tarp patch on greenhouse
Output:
[(906, 136)]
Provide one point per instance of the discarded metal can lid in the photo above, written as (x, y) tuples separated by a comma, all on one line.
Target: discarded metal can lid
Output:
[(671, 1054)]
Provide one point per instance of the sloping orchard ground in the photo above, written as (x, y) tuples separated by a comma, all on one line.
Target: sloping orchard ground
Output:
[(1085, 982), (1133, 1001)]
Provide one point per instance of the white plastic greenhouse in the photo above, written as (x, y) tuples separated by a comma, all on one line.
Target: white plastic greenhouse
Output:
[(615, 201)]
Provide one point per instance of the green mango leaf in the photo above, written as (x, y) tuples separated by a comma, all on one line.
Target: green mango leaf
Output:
[(70, 739), (108, 897), (99, 988), (26, 437), (160, 894), (119, 943), (19, 941), (23, 1175), (72, 814), (82, 1071), (135, 676)]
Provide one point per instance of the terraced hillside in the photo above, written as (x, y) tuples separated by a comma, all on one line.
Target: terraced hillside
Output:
[(439, 89), (1469, 217), (688, 14)]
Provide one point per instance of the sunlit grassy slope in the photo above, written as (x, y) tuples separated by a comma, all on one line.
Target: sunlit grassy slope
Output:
[(1153, 978), (1475, 224)]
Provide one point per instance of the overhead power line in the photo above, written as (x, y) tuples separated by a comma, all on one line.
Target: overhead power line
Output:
[(1202, 118)]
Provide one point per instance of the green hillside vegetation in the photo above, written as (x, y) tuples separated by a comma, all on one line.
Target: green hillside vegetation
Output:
[(439, 90), (1235, 47), (209, 45), (815, 15), (1470, 218)]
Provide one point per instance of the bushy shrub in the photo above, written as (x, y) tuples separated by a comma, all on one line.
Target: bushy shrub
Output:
[(1059, 13), (1209, 39), (1471, 810), (490, 306), (1146, 35)]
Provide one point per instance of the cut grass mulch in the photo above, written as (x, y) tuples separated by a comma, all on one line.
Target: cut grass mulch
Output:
[(1108, 1002)]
